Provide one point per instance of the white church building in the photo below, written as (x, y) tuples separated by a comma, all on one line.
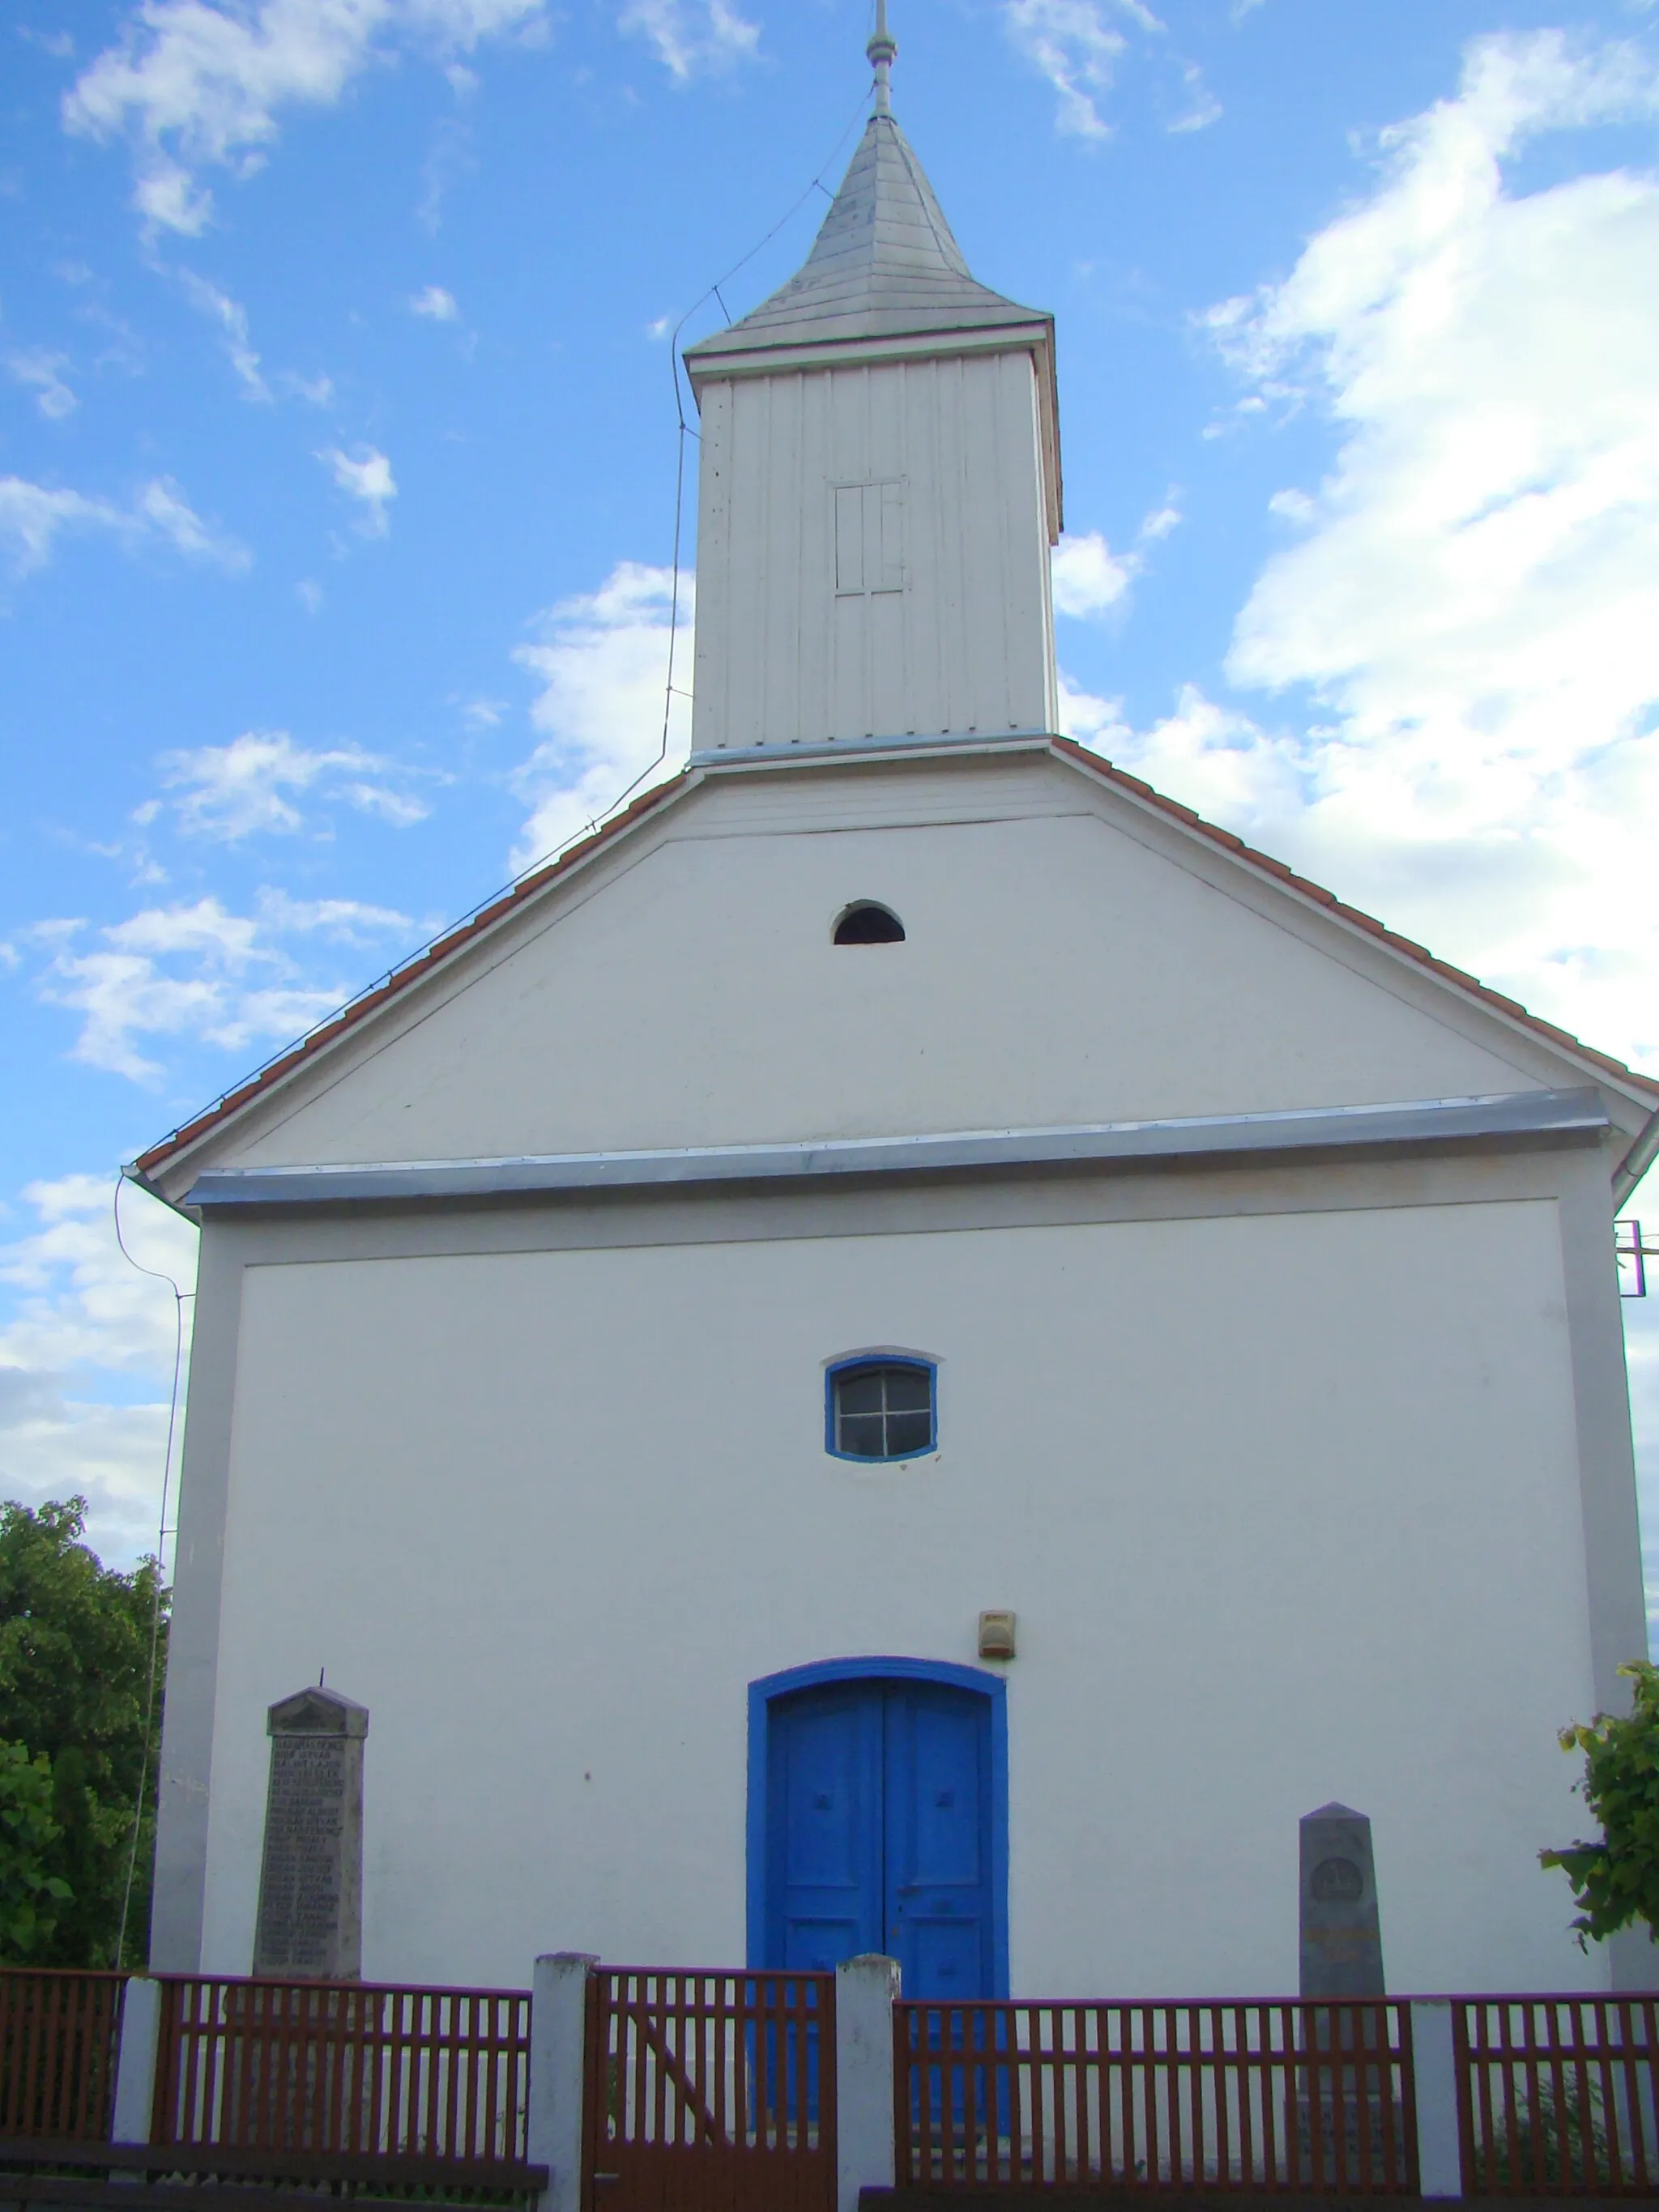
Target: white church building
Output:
[(911, 1348)]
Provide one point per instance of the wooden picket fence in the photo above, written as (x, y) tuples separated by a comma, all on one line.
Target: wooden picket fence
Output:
[(352, 2069), (1268, 2096), (715, 2090), (1556, 2096), (59, 2032)]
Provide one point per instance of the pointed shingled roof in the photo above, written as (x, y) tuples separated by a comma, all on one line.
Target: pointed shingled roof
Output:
[(883, 265)]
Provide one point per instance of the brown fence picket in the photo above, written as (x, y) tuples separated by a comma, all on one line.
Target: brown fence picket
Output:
[(1557, 2096), (359, 2069), (1273, 2097), (59, 2032), (714, 2090)]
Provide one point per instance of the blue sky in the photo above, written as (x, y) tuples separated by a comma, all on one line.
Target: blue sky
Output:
[(337, 477)]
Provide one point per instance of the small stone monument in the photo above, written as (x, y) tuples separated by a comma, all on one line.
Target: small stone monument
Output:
[(311, 1877), (1341, 1937)]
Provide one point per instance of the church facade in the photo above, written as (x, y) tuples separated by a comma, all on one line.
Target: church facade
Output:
[(911, 1348)]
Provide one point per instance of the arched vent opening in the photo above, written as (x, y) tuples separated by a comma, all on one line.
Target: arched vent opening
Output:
[(867, 923)]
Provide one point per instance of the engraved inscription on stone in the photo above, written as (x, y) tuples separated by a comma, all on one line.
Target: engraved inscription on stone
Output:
[(310, 1918), (1338, 1881), (1341, 1944)]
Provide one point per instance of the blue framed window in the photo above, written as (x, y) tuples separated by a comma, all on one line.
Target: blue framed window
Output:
[(881, 1408)]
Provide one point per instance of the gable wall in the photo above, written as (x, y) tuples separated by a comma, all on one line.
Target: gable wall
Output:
[(1068, 959)]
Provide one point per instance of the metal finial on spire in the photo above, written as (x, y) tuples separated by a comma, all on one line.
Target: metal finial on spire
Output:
[(881, 50)]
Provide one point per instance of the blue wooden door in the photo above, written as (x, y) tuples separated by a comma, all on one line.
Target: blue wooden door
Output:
[(878, 1832)]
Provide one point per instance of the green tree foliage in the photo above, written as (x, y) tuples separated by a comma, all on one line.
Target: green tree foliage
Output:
[(1615, 1881), (75, 1690), (30, 1897)]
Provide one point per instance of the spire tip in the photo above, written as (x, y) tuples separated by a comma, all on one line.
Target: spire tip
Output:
[(881, 50)]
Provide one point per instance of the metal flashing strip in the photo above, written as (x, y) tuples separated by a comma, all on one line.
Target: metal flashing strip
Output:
[(1496, 1121), (766, 353), (947, 741)]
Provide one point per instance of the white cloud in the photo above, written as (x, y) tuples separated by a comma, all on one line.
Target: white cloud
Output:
[(1088, 580), (198, 84), (36, 368), (161, 507), (1471, 596), (435, 304), (31, 515), (197, 972), (84, 1333), (1201, 109), (690, 38), (231, 791), (1252, 781), (603, 666), (369, 481), (60, 44), (1078, 45), (1088, 576), (232, 318), (1074, 46)]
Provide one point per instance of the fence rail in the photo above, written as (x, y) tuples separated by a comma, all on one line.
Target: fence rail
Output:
[(711, 2089), (344, 2068), (1281, 2097), (59, 2034), (1556, 2095)]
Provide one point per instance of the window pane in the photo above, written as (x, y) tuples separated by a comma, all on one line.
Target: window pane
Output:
[(910, 1390), (859, 1392), (908, 1434), (862, 1435)]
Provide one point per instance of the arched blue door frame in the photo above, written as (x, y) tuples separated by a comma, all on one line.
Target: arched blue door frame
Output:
[(991, 1687)]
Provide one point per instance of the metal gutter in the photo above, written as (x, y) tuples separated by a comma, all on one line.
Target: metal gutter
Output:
[(1496, 1121), (1636, 1161), (946, 741)]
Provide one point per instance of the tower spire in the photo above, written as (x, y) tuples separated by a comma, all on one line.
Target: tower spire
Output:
[(882, 48)]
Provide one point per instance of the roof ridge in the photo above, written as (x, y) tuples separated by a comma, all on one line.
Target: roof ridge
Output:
[(1283, 873)]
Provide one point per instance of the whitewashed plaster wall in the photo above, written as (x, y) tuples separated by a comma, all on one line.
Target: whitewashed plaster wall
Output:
[(1288, 1505), (1069, 958), (950, 629)]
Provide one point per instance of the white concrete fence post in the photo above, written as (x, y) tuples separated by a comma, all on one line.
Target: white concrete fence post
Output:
[(866, 1988), (1439, 2157), (558, 2029), (134, 2061)]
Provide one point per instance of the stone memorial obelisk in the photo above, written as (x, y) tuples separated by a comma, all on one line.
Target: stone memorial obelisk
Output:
[(1342, 1934), (310, 1876)]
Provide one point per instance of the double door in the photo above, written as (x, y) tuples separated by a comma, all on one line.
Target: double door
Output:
[(878, 1832)]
